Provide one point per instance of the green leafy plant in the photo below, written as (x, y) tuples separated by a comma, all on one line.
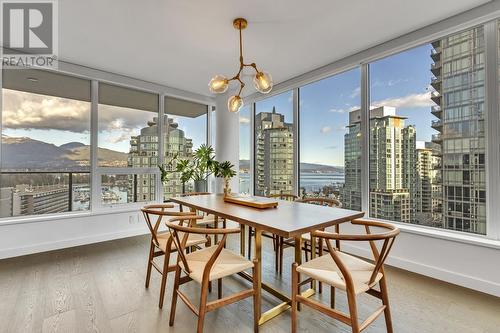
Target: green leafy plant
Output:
[(225, 170), (203, 163), (199, 167)]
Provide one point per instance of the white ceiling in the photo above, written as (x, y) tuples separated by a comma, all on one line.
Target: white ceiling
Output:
[(183, 43)]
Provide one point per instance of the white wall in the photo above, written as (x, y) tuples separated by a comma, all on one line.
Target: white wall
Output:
[(45, 234), (227, 135)]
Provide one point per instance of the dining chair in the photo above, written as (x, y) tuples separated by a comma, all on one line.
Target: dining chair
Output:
[(161, 242), (208, 220), (206, 265), (349, 273), (283, 243), (276, 239)]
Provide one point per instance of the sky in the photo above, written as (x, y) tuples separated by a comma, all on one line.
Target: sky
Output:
[(401, 80), (59, 120)]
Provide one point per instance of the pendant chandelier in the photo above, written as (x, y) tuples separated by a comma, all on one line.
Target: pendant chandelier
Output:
[(262, 81)]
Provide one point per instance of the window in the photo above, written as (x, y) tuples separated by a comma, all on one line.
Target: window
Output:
[(244, 172), (185, 131), (128, 139), (330, 149), (427, 137), (119, 189), (274, 145), (45, 161)]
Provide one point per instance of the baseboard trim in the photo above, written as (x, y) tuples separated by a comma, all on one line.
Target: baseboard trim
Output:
[(467, 281), (62, 244)]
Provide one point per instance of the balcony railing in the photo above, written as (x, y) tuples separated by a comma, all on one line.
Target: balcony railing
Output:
[(46, 185), (437, 123)]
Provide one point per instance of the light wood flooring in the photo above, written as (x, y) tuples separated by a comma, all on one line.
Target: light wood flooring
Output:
[(100, 288)]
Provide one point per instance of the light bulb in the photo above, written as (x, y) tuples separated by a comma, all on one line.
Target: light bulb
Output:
[(218, 84), (234, 103), (263, 82)]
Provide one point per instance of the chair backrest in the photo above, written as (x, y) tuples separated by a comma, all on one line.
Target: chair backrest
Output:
[(153, 215), (284, 196), (330, 202), (185, 225), (386, 238)]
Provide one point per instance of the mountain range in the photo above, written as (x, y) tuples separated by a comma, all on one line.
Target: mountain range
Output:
[(26, 153)]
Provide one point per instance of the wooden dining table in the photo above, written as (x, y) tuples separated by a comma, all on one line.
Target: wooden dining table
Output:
[(289, 220)]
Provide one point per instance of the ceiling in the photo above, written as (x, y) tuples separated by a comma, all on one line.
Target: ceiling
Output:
[(182, 44)]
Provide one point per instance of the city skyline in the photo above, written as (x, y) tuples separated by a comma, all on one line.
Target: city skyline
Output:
[(401, 81)]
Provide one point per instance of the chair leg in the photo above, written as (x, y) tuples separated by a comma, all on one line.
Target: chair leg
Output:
[(164, 276), (174, 295), (385, 301), (250, 229), (219, 288), (150, 265), (202, 310), (255, 300), (320, 253), (353, 311), (294, 297), (332, 297)]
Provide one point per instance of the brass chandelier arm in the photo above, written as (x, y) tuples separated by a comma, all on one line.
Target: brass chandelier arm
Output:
[(261, 80), (242, 65)]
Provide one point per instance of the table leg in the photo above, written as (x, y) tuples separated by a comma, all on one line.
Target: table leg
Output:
[(258, 272)]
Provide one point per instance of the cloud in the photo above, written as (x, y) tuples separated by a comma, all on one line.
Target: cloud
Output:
[(332, 147), (345, 110), (28, 111), (408, 101), (244, 120), (355, 92), (325, 129)]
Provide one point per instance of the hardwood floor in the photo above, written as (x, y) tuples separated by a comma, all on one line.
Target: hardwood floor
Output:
[(100, 288)]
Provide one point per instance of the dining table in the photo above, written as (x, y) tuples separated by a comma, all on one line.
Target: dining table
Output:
[(288, 219)]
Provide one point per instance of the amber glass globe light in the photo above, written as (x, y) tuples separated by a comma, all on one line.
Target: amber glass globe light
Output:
[(263, 82), (234, 103), (218, 84)]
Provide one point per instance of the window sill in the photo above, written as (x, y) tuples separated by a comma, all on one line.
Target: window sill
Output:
[(454, 236), (68, 215)]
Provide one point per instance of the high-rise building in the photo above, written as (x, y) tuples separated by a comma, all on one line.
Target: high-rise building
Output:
[(428, 188), (392, 170), (274, 171), (144, 153), (459, 83)]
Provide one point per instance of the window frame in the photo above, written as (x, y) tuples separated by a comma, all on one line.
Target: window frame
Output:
[(95, 77)]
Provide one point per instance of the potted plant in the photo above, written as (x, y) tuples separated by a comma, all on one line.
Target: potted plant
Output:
[(225, 170), (198, 168)]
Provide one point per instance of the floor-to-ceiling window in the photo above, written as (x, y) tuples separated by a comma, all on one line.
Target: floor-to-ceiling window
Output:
[(127, 144), (330, 144), (185, 131), (45, 143), (274, 145), (427, 137)]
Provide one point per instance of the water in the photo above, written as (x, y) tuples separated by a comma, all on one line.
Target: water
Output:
[(310, 181)]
